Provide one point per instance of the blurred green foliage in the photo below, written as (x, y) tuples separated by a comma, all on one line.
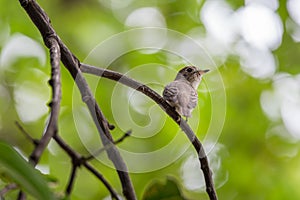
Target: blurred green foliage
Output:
[(168, 190), (22, 173), (255, 156)]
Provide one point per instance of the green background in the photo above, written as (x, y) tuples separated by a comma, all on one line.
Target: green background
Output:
[(256, 152)]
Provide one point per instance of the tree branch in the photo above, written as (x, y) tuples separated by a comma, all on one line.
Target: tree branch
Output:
[(54, 82), (72, 178), (169, 110)]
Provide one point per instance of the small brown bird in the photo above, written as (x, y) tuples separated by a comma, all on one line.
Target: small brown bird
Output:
[(182, 92)]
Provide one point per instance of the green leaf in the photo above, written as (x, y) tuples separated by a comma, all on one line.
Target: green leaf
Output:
[(163, 191), (23, 173)]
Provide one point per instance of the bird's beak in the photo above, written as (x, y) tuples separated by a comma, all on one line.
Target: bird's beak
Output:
[(203, 71)]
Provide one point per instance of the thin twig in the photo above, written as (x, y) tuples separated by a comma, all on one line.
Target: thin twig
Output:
[(71, 179), (42, 22), (27, 135), (127, 134), (113, 193), (210, 189), (51, 127), (99, 151)]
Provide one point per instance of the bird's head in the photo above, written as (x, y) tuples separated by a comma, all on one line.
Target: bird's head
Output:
[(192, 75)]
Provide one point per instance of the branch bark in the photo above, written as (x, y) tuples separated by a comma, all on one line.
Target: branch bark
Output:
[(51, 128)]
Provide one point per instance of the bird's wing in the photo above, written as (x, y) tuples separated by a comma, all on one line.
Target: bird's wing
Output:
[(193, 99), (170, 93)]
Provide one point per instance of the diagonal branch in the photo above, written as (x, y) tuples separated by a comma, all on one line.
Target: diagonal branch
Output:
[(103, 127), (169, 110)]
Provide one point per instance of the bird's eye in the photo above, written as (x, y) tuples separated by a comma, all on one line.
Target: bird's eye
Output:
[(189, 69)]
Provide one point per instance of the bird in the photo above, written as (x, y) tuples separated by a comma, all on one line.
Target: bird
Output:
[(182, 92)]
